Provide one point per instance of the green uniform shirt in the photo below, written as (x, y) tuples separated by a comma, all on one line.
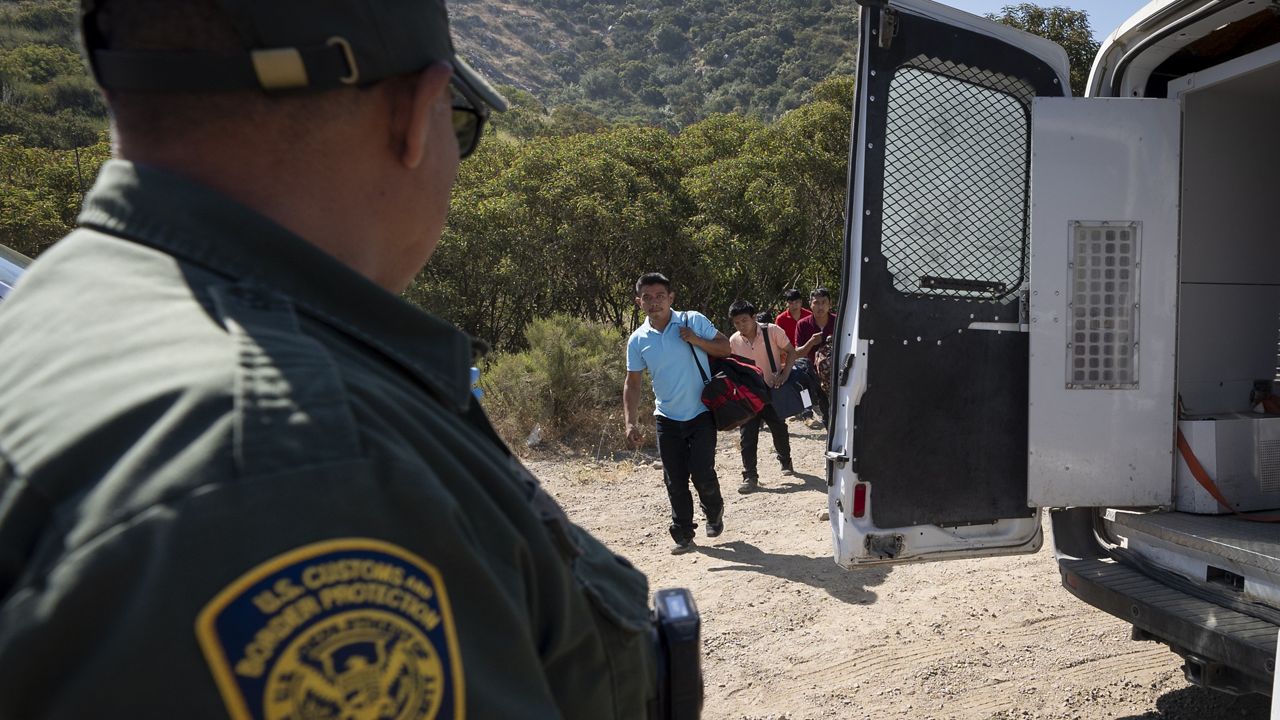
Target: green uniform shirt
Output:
[(238, 477)]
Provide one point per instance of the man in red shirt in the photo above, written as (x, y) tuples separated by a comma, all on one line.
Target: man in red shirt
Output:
[(811, 340), (788, 319)]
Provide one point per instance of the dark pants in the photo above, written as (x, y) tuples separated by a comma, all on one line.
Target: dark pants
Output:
[(809, 381), (751, 438), (687, 449)]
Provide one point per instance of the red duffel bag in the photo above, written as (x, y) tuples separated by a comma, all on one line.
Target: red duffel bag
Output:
[(735, 392)]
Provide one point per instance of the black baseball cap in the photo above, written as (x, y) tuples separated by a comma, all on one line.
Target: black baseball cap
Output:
[(294, 46)]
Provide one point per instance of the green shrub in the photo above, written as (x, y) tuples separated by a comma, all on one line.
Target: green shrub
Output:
[(41, 190), (568, 383)]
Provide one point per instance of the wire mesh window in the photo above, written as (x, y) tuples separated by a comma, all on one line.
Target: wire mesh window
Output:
[(1103, 305), (957, 152)]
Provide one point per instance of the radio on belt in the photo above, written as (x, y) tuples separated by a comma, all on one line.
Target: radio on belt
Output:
[(678, 628)]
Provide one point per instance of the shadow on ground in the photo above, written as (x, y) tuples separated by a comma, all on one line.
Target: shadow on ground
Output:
[(1197, 703), (806, 482), (848, 586)]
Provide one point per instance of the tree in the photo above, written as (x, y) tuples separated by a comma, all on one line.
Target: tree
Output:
[(571, 120), (39, 63), (525, 118), (768, 200), (670, 40), (555, 224), (41, 191), (602, 83), (1069, 28)]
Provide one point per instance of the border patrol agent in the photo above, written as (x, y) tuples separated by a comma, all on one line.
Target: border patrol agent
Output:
[(238, 475)]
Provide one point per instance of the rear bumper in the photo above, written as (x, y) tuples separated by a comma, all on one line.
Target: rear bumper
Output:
[(1225, 650)]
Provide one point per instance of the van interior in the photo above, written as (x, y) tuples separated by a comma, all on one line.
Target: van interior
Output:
[(1228, 371)]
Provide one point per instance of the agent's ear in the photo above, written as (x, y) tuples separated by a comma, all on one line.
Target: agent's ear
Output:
[(430, 88)]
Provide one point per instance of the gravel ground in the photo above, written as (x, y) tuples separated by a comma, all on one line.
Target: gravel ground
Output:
[(789, 635)]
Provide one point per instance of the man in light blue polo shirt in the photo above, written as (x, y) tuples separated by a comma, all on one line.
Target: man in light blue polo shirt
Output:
[(667, 345)]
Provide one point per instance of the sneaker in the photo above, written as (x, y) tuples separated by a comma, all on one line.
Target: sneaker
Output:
[(787, 469), (749, 485), (682, 546), (715, 527)]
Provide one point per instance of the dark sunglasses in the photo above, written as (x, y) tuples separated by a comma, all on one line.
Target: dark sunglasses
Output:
[(469, 115)]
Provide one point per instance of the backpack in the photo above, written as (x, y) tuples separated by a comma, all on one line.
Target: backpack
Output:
[(822, 365), (785, 398)]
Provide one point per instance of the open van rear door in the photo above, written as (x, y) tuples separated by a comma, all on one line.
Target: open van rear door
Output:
[(928, 444)]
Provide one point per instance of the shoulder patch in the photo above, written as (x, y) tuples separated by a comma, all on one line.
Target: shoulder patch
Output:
[(350, 628)]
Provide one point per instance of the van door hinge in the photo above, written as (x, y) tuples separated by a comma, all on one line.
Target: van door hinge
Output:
[(888, 27)]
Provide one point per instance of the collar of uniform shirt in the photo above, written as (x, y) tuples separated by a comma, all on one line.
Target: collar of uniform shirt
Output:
[(198, 225)]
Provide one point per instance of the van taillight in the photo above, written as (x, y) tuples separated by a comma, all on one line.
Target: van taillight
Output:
[(859, 500)]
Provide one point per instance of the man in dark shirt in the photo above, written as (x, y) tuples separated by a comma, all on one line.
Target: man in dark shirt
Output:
[(813, 338)]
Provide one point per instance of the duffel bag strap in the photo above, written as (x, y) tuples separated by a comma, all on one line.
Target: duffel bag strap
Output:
[(705, 379), (768, 349)]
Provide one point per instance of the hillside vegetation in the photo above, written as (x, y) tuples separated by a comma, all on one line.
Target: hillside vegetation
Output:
[(660, 62), (46, 97), (666, 63)]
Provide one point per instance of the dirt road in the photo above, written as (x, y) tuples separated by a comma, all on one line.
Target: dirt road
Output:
[(789, 635)]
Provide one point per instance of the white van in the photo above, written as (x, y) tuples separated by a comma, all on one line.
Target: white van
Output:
[(1043, 293)]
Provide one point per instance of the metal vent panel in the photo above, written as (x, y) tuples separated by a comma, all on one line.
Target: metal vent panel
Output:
[(1102, 345), (1269, 465)]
